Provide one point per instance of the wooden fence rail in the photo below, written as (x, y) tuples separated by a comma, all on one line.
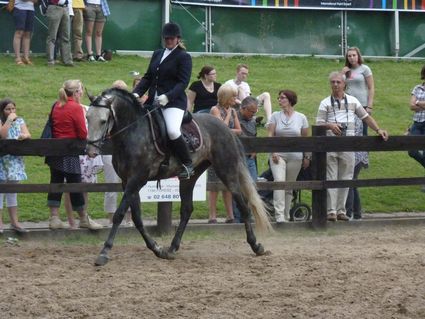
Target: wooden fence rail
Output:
[(318, 144)]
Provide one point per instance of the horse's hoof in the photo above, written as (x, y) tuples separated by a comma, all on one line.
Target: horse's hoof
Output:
[(171, 254), (101, 260), (260, 250), (165, 254)]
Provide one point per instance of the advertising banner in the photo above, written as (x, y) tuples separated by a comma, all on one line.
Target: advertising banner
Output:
[(416, 5), (169, 191)]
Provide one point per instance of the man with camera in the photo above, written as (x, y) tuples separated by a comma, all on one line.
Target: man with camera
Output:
[(337, 112)]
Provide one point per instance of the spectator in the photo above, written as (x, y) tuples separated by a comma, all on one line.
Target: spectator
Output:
[(246, 116), (359, 80), (286, 166), (110, 198), (120, 84), (136, 79), (227, 95), (77, 29), (90, 167), (12, 168), (23, 15), (58, 19), (417, 105), (361, 160), (202, 94), (95, 16), (68, 122), (244, 90), (337, 112), (166, 79)]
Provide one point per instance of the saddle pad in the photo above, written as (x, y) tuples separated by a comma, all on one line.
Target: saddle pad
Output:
[(192, 135), (190, 131)]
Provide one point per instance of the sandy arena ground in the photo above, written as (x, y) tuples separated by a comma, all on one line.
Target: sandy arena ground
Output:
[(344, 273)]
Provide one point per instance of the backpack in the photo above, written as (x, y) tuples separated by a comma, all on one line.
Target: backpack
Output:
[(43, 6)]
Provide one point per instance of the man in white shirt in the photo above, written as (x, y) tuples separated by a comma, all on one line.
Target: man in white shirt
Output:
[(244, 90), (337, 112)]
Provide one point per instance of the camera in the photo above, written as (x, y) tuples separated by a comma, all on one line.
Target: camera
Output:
[(343, 128)]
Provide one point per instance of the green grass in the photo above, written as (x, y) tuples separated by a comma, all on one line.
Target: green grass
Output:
[(35, 88)]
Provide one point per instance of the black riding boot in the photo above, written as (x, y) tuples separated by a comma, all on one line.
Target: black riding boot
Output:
[(179, 148)]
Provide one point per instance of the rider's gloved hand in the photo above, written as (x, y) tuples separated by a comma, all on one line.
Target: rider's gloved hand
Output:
[(162, 100)]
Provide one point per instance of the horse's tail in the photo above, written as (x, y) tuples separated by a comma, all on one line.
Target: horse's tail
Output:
[(255, 203)]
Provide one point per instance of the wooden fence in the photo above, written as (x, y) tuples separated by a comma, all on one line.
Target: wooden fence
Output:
[(318, 144)]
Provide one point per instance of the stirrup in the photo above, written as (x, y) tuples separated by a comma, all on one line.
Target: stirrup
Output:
[(187, 172)]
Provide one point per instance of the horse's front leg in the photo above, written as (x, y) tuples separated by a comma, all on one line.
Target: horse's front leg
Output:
[(138, 223), (103, 257)]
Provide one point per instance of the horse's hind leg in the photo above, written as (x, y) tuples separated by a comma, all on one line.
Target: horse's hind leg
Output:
[(257, 248), (236, 181)]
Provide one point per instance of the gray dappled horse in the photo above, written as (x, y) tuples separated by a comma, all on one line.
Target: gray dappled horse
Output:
[(118, 115)]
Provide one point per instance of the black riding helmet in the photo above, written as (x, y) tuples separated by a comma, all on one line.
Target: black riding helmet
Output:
[(171, 30)]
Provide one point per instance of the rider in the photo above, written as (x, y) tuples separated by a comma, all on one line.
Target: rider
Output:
[(167, 77)]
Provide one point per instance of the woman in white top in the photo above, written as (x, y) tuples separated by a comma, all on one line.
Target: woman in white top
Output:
[(359, 80), (286, 166)]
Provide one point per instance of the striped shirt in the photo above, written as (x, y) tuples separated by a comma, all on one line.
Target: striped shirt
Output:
[(419, 93), (332, 110)]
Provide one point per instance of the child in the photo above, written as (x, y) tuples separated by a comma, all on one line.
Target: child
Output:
[(12, 168)]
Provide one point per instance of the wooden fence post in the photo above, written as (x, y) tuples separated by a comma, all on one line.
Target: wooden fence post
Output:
[(164, 218), (319, 201)]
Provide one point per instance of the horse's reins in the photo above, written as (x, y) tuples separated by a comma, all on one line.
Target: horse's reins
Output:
[(104, 134)]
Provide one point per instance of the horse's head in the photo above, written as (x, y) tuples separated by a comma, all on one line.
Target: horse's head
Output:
[(100, 119)]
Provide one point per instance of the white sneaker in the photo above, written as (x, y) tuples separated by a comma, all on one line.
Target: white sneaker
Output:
[(56, 223), (280, 219), (91, 58), (87, 222), (100, 59)]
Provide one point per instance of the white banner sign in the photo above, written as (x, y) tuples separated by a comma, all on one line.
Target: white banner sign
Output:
[(169, 191)]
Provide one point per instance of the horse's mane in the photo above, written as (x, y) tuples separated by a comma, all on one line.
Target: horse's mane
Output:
[(126, 96)]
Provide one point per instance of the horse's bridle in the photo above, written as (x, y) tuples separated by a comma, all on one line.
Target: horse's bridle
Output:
[(106, 102)]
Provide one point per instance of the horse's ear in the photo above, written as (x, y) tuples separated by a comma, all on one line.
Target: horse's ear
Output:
[(91, 97), (112, 105)]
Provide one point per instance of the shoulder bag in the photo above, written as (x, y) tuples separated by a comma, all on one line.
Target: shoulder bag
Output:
[(48, 128)]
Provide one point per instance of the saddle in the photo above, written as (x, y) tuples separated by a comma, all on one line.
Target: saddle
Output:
[(189, 128)]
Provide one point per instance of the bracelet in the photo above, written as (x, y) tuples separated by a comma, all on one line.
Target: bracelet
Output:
[(377, 130)]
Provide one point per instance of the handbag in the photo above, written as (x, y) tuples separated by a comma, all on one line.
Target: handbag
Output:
[(48, 127), (10, 5)]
